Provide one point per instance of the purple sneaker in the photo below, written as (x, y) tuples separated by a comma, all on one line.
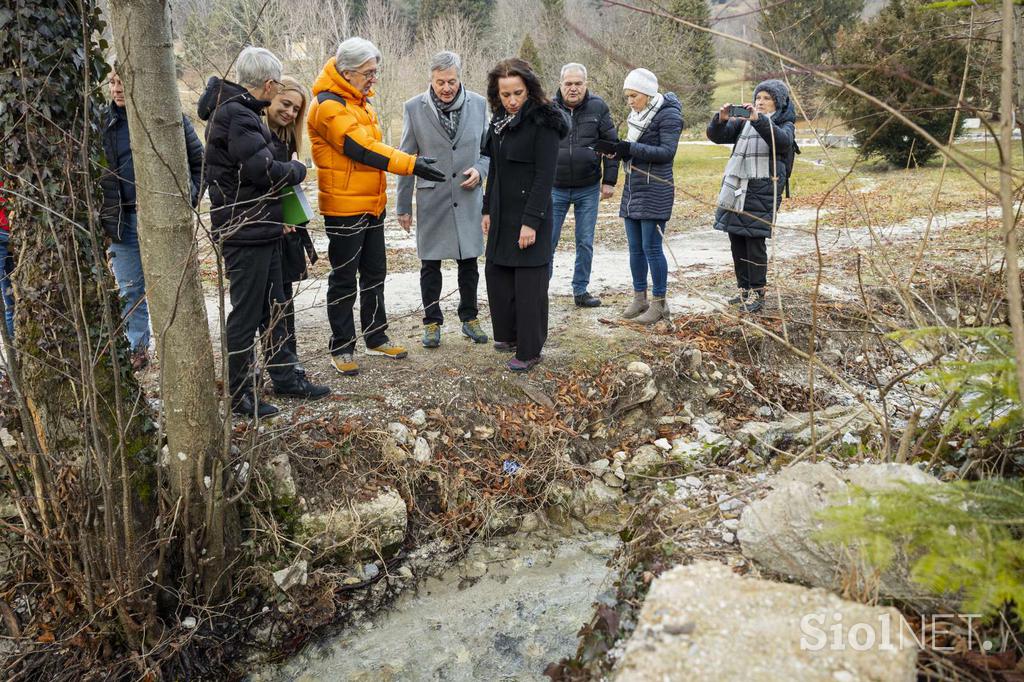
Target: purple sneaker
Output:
[(505, 346), (517, 365)]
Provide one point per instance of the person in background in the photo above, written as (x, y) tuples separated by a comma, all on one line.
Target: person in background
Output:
[(351, 163), (120, 219), (753, 182), (6, 265), (582, 178), (522, 144), (246, 181), (448, 123), (286, 118), (654, 124)]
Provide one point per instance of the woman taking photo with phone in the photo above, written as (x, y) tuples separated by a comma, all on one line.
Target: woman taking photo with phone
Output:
[(762, 136), (522, 143)]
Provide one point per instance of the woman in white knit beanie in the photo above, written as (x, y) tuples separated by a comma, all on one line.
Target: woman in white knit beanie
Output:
[(654, 124)]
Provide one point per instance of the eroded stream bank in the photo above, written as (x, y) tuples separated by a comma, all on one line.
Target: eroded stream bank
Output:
[(509, 609)]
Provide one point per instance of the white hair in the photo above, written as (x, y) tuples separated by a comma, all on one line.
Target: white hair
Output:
[(257, 65), (442, 61), (353, 52), (570, 67)]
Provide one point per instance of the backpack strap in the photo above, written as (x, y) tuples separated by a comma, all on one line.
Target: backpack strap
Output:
[(327, 95)]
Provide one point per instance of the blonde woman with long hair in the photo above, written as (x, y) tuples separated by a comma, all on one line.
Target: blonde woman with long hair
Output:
[(286, 118)]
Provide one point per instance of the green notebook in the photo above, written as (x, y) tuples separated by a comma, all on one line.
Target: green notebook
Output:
[(295, 206)]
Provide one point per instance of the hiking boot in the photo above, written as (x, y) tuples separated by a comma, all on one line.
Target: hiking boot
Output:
[(472, 330), (517, 365), (300, 387), (741, 299), (345, 364), (388, 350), (140, 360), (658, 310), (505, 346), (243, 406), (639, 305), (754, 303), (585, 300), (300, 369), (431, 335)]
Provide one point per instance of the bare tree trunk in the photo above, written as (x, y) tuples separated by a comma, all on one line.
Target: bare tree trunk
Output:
[(1012, 250), (167, 238)]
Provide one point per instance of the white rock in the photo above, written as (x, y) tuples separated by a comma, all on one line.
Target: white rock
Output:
[(716, 375), (400, 432), (296, 574), (779, 531), (731, 524), (418, 419), (421, 451), (663, 444), (370, 529), (189, 622), (640, 368), (692, 482), (728, 537), (703, 622), (598, 467), (645, 460), (611, 480)]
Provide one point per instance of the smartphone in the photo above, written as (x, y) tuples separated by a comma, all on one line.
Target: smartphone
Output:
[(736, 111)]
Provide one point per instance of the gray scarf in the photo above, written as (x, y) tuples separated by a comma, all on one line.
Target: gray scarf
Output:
[(750, 160), (449, 113)]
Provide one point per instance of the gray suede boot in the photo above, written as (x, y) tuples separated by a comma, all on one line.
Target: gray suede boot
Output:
[(658, 310), (639, 305)]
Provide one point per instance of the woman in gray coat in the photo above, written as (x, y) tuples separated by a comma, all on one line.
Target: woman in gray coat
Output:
[(448, 123)]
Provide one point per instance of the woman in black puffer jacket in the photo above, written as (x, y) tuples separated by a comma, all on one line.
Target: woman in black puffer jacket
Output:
[(753, 183)]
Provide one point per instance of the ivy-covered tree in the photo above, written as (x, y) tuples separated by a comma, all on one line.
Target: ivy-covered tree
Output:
[(908, 58), (84, 476)]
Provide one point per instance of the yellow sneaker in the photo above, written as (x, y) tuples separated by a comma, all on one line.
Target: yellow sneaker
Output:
[(345, 364), (388, 350)]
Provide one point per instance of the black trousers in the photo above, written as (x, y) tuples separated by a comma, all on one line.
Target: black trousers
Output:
[(430, 289), (257, 296), (356, 247), (519, 307), (750, 259)]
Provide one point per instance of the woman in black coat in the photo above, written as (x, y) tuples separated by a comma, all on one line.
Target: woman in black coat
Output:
[(754, 180), (522, 143)]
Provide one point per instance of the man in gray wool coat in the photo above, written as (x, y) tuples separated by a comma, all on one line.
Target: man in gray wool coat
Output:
[(448, 123)]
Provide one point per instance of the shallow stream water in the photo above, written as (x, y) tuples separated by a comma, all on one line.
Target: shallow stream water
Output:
[(507, 624)]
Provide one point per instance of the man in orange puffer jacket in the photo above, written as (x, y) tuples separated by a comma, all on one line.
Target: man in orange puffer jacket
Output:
[(351, 161)]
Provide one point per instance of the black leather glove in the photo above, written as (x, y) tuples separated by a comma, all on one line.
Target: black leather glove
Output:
[(624, 149), (605, 146), (424, 168)]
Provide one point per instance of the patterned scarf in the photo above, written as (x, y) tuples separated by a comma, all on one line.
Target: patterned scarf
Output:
[(449, 113), (750, 160), (638, 121)]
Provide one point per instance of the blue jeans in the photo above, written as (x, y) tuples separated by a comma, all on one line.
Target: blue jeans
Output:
[(6, 268), (645, 252), (126, 262), (585, 201)]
